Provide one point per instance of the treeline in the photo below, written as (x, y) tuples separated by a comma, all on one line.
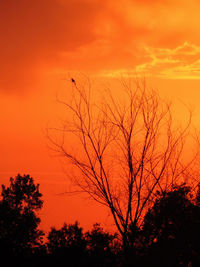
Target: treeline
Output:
[(169, 234)]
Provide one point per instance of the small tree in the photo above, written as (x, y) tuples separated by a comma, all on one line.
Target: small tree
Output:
[(124, 149), (19, 233), (101, 247), (67, 245)]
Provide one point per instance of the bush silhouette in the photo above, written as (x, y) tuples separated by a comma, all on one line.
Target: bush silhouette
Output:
[(101, 247), (171, 230), (67, 245), (169, 235)]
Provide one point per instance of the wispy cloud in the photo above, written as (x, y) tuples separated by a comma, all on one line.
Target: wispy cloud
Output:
[(182, 62)]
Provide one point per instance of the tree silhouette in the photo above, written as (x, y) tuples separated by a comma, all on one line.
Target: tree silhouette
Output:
[(19, 233), (171, 230), (67, 245), (124, 151), (101, 247)]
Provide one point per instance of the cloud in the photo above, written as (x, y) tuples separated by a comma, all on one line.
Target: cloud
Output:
[(182, 62), (125, 26), (50, 36), (34, 32)]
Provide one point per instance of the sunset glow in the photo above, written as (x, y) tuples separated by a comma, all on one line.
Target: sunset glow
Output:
[(45, 42)]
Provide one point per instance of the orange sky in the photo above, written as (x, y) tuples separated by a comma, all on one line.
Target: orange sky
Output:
[(42, 41)]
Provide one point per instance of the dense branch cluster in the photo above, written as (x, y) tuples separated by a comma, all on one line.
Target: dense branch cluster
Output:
[(127, 148)]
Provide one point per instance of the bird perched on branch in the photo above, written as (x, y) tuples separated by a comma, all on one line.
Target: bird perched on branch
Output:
[(73, 81)]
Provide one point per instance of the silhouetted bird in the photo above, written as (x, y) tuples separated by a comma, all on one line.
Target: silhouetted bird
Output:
[(73, 81)]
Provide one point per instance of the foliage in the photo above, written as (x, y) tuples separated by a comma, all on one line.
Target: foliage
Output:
[(94, 248), (68, 243), (172, 229), (102, 246), (169, 235), (19, 233)]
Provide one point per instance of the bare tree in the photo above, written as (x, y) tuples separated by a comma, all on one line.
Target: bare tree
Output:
[(126, 149)]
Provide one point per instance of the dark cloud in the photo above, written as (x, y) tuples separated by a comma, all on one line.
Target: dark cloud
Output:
[(34, 32)]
